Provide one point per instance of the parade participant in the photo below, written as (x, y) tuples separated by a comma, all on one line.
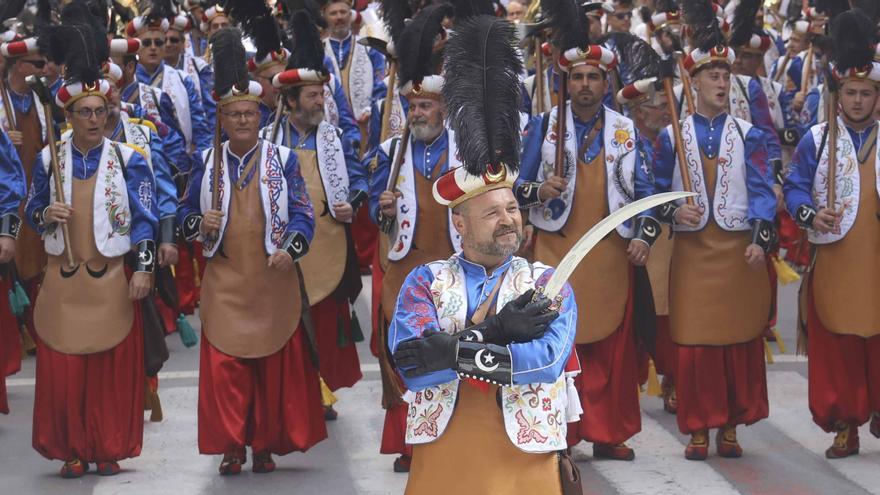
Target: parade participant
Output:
[(361, 71), (196, 42), (359, 68), (418, 230), (664, 28), (152, 70), (195, 67), (387, 120), (89, 397), (247, 203), (466, 334), (25, 123), (841, 222), (787, 70), (12, 191), (645, 100), (213, 19), (620, 20), (601, 171), (719, 292), (335, 178)]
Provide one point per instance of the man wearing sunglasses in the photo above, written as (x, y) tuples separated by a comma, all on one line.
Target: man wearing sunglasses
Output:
[(620, 21), (152, 70), (24, 121), (195, 67)]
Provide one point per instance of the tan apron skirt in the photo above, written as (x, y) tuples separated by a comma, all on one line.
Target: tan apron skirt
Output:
[(846, 276), (658, 271), (324, 264), (30, 256), (601, 281), (248, 309), (715, 298), (86, 309), (474, 456), (430, 242)]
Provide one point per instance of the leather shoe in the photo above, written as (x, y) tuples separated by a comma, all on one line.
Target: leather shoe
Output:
[(698, 447)]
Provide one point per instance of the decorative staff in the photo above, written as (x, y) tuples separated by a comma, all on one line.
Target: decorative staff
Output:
[(38, 85)]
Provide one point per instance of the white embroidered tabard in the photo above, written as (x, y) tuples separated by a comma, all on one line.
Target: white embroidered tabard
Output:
[(407, 205), (773, 89), (360, 75), (848, 184), (739, 98), (273, 192), (619, 148), (111, 210), (535, 414), (172, 84), (731, 206), (331, 110)]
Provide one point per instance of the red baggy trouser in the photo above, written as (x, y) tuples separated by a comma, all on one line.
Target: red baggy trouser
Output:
[(340, 366), (664, 349), (608, 386), (188, 293), (394, 431), (721, 385), (91, 407), (271, 403), (366, 238), (844, 374)]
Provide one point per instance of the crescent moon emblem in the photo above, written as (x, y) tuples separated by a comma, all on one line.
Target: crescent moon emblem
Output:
[(68, 274), (97, 273), (479, 359)]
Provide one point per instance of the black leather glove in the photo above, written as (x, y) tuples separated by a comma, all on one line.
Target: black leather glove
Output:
[(434, 351), (521, 320)]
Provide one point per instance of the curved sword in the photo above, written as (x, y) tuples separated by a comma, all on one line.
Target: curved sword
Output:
[(589, 240)]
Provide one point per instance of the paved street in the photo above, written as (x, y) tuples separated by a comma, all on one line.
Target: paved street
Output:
[(784, 454)]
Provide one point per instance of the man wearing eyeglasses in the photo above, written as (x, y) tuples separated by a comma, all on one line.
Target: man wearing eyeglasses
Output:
[(196, 68), (152, 70), (90, 359), (258, 386), (23, 119)]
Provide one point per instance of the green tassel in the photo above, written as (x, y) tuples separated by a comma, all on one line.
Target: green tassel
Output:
[(341, 337), (356, 333), (186, 331), (22, 296), (14, 306)]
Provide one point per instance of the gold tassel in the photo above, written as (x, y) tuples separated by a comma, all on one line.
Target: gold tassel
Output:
[(156, 412), (784, 273), (327, 397), (654, 389), (779, 342), (28, 346), (767, 352)]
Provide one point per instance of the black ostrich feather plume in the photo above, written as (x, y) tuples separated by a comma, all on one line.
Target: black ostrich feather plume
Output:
[(853, 33), (482, 92), (230, 60), (415, 53), (700, 18), (569, 23), (258, 23), (310, 6), (469, 8), (832, 8), (73, 44), (161, 9), (744, 22), (11, 9), (637, 59), (870, 8), (394, 14), (308, 52)]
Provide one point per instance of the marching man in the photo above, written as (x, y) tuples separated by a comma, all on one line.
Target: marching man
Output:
[(90, 358), (247, 203), (483, 362), (719, 290), (843, 226)]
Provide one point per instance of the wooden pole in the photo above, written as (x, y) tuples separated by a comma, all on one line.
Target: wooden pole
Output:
[(538, 97), (59, 188), (561, 122), (388, 103), (398, 159), (686, 87), (807, 74), (276, 122), (833, 132), (676, 137), (780, 69), (215, 175)]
